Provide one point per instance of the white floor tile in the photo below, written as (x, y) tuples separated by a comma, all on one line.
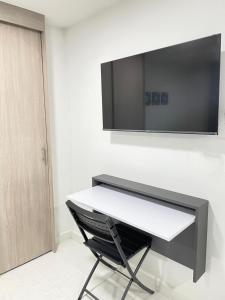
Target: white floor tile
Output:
[(114, 286), (61, 275)]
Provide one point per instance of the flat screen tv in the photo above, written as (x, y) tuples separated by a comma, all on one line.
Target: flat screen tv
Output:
[(173, 89)]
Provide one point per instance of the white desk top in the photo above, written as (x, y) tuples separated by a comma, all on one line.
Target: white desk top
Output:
[(156, 219)]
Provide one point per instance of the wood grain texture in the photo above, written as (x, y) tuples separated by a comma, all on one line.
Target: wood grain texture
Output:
[(49, 133), (25, 212), (21, 17)]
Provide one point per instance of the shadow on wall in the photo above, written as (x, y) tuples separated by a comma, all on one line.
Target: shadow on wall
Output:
[(209, 145)]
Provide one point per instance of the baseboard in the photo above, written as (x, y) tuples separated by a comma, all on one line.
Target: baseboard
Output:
[(63, 236), (69, 234), (77, 237)]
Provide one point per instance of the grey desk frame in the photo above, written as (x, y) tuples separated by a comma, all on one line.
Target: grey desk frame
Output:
[(189, 247)]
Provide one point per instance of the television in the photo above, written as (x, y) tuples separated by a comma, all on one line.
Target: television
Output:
[(173, 89)]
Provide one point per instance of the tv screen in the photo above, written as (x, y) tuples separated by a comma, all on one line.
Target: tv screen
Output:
[(173, 89)]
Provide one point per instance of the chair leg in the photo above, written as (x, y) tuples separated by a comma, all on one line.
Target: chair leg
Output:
[(88, 279), (134, 279), (127, 289)]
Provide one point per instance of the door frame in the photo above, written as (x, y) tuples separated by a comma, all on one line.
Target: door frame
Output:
[(21, 17)]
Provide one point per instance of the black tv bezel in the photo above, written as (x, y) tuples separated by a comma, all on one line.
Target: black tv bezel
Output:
[(168, 131)]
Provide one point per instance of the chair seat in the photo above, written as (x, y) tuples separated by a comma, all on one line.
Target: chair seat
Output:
[(131, 243)]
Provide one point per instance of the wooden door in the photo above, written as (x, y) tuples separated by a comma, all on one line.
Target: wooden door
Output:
[(25, 211)]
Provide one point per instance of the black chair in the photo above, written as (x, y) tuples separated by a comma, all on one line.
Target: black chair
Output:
[(112, 240)]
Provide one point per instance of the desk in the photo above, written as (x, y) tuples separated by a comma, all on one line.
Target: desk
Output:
[(176, 222), (158, 220)]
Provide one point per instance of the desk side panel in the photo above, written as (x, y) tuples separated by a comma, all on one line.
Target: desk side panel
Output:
[(200, 242)]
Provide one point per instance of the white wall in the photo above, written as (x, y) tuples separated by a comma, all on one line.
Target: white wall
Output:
[(190, 164), (61, 144)]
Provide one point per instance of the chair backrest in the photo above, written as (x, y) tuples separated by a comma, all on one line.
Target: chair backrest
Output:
[(96, 224)]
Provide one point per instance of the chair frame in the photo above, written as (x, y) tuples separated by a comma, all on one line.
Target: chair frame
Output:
[(117, 241)]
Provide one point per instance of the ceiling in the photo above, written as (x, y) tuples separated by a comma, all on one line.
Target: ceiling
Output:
[(64, 13)]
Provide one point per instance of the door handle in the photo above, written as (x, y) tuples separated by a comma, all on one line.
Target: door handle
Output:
[(44, 155)]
